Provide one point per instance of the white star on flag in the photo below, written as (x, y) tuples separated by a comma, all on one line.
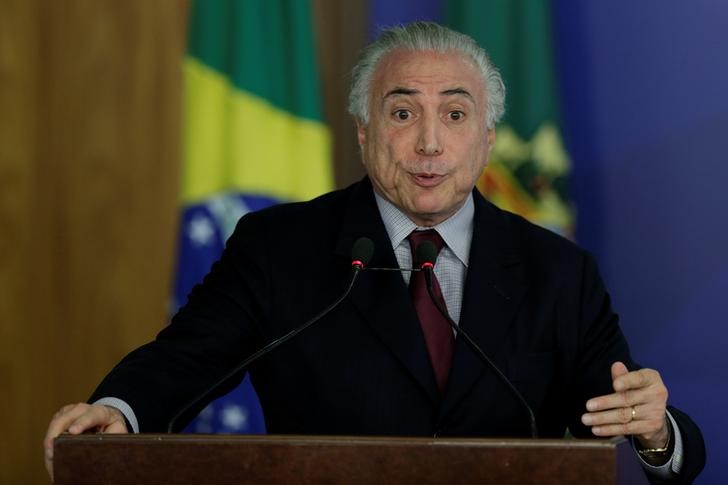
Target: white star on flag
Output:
[(200, 230), (234, 417)]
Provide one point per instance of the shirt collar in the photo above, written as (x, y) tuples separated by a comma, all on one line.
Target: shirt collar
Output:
[(456, 230)]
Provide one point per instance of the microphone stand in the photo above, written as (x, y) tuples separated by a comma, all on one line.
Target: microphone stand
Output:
[(427, 267), (357, 267)]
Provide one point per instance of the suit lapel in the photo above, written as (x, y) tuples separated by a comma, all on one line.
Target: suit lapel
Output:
[(381, 297), (494, 287)]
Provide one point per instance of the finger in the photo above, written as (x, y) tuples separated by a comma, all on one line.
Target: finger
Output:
[(60, 422), (618, 370), (49, 466), (619, 400), (623, 415), (632, 428), (95, 417), (77, 418), (636, 379), (640, 387)]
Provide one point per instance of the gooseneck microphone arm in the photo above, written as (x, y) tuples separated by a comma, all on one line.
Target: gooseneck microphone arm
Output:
[(426, 254), (361, 253)]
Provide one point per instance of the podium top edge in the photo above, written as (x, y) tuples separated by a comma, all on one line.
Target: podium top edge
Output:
[(319, 440)]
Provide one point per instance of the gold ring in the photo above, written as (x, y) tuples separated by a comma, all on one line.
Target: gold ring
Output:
[(634, 414)]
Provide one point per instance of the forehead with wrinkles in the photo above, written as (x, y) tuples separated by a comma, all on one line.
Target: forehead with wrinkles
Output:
[(417, 74)]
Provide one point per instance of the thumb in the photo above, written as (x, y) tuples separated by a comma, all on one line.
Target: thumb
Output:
[(618, 370)]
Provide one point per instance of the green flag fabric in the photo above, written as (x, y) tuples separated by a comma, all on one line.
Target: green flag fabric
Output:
[(529, 167), (253, 136), (253, 118)]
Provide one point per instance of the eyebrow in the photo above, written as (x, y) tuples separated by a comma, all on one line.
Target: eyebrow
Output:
[(456, 91), (400, 91)]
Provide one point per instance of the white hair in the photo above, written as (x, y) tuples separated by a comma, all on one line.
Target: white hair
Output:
[(424, 36)]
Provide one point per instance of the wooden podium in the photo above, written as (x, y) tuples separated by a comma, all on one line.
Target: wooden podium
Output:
[(228, 459)]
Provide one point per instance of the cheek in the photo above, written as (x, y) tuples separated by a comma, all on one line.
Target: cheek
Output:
[(472, 165), (478, 158), (380, 166), (385, 155), (478, 165)]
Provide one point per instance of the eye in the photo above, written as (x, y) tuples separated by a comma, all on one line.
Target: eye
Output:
[(402, 114), (456, 115)]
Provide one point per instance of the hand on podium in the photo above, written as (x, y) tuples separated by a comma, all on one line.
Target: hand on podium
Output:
[(79, 418)]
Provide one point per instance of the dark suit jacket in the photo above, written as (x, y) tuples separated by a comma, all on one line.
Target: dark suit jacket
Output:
[(533, 301)]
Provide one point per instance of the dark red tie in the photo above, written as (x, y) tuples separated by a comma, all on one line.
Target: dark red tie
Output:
[(438, 333)]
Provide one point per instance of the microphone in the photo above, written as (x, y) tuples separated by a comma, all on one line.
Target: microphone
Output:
[(425, 256), (361, 254)]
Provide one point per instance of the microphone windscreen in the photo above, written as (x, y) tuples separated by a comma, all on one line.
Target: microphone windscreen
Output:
[(362, 250), (426, 252)]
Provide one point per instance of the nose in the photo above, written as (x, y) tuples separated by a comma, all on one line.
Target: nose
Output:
[(428, 142)]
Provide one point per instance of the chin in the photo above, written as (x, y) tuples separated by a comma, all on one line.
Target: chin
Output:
[(429, 207), (429, 215)]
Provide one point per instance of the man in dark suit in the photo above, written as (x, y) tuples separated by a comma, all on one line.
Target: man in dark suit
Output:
[(426, 101)]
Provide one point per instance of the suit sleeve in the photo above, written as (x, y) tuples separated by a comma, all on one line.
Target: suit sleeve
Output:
[(600, 343), (213, 332)]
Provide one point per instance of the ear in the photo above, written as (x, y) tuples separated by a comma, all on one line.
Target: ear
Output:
[(491, 139), (361, 133)]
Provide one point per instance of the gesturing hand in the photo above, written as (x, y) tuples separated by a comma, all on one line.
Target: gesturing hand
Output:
[(637, 407)]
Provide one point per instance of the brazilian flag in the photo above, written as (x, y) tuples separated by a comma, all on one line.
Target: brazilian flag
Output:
[(529, 167), (253, 137)]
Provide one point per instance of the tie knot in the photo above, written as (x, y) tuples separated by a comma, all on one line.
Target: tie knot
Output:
[(418, 237)]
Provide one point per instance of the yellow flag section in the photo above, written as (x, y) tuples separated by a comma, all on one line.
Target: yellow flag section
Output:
[(238, 142)]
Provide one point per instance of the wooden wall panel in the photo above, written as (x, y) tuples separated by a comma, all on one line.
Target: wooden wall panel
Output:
[(18, 40), (89, 158), (341, 31), (90, 96)]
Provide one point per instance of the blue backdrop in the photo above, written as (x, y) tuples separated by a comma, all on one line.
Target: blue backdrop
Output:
[(646, 111), (644, 86)]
